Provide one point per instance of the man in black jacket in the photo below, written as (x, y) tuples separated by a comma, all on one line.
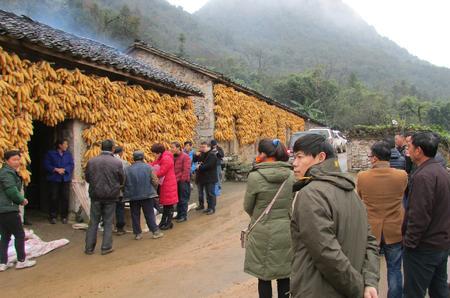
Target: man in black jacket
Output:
[(206, 177), (106, 177), (427, 221)]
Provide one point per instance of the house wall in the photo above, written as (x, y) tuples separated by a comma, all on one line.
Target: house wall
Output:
[(203, 106)]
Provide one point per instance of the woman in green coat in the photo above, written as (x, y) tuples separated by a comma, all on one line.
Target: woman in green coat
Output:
[(268, 252)]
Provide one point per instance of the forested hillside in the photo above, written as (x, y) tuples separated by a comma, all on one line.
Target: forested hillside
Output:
[(316, 55)]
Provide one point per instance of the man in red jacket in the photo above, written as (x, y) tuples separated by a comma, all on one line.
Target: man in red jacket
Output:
[(426, 227), (182, 165)]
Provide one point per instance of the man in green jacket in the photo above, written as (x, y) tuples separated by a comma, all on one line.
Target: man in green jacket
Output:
[(335, 254), (10, 221)]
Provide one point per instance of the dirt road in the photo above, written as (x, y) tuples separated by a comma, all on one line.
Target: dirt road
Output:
[(199, 258)]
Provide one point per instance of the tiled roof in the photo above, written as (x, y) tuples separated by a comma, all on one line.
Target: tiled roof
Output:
[(25, 29)]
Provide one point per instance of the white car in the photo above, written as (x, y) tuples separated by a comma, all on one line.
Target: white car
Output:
[(327, 133)]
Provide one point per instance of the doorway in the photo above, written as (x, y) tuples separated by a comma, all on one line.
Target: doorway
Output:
[(42, 140)]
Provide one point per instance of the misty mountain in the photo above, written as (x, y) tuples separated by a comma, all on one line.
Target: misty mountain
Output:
[(256, 42), (293, 35)]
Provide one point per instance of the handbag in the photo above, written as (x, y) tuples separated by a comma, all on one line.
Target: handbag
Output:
[(245, 233)]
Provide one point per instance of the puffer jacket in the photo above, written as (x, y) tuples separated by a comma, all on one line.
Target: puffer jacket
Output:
[(397, 160), (335, 254), (268, 254), (10, 187), (168, 193)]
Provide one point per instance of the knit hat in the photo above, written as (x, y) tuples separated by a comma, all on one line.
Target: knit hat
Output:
[(213, 143)]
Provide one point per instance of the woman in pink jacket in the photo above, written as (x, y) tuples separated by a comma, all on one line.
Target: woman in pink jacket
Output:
[(168, 192)]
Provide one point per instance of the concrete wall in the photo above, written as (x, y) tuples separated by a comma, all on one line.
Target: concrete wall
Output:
[(204, 106)]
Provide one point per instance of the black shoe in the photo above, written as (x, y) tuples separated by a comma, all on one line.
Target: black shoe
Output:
[(53, 221), (120, 232), (89, 252), (183, 219), (210, 212), (166, 227), (199, 208), (107, 251), (206, 211), (64, 221)]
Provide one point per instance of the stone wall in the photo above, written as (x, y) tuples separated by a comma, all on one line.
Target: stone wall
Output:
[(204, 106), (357, 152)]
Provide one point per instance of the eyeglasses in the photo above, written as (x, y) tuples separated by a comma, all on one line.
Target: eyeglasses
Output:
[(369, 156)]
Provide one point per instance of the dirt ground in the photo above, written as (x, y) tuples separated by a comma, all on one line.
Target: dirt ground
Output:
[(199, 258)]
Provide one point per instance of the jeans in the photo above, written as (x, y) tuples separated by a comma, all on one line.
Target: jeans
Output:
[(105, 211), (425, 269), (120, 215), (59, 193), (210, 195), (218, 186), (184, 193), (11, 224), (149, 214), (393, 255), (265, 288)]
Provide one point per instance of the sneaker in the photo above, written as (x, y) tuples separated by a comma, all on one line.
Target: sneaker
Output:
[(64, 221), (25, 264), (158, 234), (138, 237), (183, 219), (53, 221), (107, 251), (199, 208), (210, 212), (89, 252), (206, 210), (4, 267), (120, 232)]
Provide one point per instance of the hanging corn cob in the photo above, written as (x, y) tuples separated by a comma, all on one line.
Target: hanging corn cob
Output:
[(134, 117)]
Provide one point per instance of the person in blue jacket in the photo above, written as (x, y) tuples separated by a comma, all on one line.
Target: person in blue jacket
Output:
[(59, 167)]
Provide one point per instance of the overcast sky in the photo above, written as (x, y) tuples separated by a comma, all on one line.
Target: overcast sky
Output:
[(420, 26)]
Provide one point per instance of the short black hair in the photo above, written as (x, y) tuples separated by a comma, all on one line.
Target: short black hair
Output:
[(313, 144), (176, 145), (205, 143), (409, 134), (188, 143), (138, 155), (118, 150), (428, 142), (273, 148), (11, 153), (158, 148), (390, 141), (60, 142), (381, 150), (107, 145)]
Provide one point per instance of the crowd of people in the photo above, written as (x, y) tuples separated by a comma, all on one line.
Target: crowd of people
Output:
[(148, 188), (320, 233), (314, 229)]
